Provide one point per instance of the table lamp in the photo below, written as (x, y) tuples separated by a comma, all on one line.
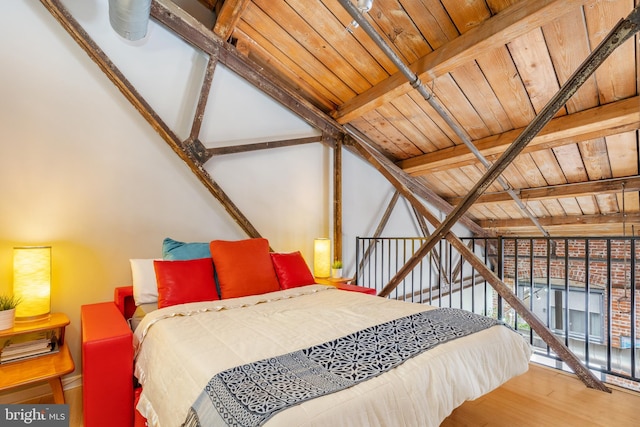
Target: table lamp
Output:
[(32, 282), (322, 257)]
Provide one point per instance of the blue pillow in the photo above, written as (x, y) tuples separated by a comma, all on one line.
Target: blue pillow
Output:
[(173, 250)]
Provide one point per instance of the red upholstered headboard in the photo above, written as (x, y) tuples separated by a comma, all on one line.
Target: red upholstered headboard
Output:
[(123, 297)]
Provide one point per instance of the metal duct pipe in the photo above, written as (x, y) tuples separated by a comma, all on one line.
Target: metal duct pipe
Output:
[(130, 18)]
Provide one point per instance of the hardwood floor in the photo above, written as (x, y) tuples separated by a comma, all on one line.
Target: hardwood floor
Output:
[(548, 397), (542, 397), (74, 398)]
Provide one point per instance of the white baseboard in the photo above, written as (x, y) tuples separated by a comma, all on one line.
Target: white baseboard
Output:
[(37, 391)]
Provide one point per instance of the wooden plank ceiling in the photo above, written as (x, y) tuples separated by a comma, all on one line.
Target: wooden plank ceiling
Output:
[(492, 65)]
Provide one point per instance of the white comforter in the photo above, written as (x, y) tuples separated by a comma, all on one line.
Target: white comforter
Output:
[(181, 347)]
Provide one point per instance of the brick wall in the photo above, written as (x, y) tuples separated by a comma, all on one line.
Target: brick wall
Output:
[(598, 264)]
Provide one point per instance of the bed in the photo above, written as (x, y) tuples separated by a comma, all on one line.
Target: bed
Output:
[(420, 392), (180, 349)]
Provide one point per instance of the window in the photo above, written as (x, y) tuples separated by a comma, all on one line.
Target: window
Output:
[(558, 306)]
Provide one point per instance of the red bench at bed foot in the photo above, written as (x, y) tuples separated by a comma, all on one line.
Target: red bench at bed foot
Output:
[(107, 365)]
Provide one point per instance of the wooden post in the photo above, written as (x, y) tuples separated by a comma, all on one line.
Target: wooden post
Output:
[(337, 200)]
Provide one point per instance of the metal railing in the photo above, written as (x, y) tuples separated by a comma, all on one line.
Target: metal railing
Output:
[(585, 289)]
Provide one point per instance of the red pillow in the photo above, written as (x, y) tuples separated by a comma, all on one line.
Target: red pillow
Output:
[(292, 270), (180, 282), (243, 267)]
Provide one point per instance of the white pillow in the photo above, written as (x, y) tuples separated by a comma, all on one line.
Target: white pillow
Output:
[(145, 286)]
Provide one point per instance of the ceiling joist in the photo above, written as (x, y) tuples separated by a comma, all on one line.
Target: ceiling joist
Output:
[(610, 119), (592, 188), (599, 219)]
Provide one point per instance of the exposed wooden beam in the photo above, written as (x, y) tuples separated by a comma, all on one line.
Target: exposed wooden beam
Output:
[(421, 223), (75, 30), (200, 108), (387, 214), (394, 175), (228, 18), (512, 22), (436, 259), (337, 200), (196, 34), (610, 119), (591, 188), (232, 149), (457, 270), (618, 218), (383, 222)]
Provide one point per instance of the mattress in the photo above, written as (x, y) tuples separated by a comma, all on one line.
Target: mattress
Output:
[(180, 348)]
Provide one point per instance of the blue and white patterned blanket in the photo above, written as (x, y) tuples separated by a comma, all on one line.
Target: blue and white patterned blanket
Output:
[(250, 394)]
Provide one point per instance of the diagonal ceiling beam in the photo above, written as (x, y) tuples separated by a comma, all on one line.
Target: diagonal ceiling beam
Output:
[(197, 35), (202, 102), (610, 119), (436, 259), (373, 241), (359, 144), (497, 31)]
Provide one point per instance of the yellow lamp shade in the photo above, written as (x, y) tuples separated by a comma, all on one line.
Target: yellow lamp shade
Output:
[(32, 281), (322, 257)]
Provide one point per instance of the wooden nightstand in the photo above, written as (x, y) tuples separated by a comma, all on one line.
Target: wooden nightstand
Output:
[(47, 367), (342, 283), (333, 281)]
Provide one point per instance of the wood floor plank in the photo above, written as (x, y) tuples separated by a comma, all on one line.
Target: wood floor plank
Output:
[(546, 397)]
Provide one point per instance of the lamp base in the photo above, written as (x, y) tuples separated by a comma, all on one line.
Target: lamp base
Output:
[(36, 318)]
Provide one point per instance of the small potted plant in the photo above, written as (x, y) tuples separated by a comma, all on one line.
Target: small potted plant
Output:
[(336, 269), (8, 310)]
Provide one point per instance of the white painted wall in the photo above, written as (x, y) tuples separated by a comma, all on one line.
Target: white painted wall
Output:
[(82, 171)]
